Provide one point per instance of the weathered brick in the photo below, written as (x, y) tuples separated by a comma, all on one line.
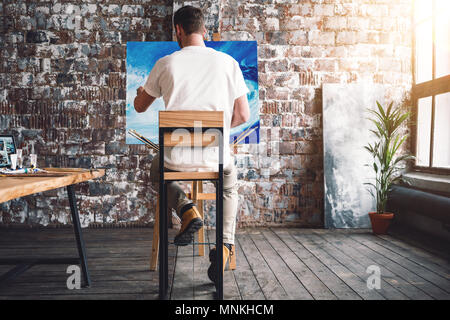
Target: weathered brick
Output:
[(278, 93), (305, 9), (287, 148), (36, 37), (277, 37), (317, 37), (278, 66), (323, 9), (306, 147), (335, 23), (116, 148), (298, 38), (99, 188)]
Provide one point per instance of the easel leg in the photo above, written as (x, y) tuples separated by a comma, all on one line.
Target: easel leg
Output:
[(155, 242), (201, 232)]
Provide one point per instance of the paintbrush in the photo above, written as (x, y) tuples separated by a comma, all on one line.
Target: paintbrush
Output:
[(144, 140), (237, 141), (146, 143), (135, 133), (240, 136)]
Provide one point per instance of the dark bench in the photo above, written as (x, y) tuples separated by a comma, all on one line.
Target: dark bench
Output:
[(420, 202)]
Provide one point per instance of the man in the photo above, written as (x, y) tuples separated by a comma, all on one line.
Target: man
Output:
[(198, 78)]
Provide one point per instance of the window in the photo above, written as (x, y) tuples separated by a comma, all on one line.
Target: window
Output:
[(431, 89)]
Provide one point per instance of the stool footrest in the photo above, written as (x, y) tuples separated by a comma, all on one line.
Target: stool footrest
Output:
[(197, 243), (179, 175), (202, 196)]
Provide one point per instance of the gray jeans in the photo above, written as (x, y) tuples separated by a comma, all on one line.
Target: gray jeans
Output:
[(176, 198)]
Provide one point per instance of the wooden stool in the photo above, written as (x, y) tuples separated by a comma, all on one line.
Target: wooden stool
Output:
[(198, 197), (208, 123)]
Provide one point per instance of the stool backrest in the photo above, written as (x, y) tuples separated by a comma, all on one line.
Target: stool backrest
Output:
[(173, 120), (188, 119)]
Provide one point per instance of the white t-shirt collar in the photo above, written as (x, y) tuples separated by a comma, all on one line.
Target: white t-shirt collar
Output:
[(195, 48)]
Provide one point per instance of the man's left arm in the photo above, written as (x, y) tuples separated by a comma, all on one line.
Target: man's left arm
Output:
[(143, 100)]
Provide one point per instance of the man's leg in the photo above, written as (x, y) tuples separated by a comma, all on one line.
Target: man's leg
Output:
[(230, 204), (176, 198), (191, 220)]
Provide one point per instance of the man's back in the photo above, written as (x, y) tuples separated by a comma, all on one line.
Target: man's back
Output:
[(197, 78)]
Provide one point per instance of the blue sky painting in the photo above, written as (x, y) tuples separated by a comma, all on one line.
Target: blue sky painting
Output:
[(142, 56)]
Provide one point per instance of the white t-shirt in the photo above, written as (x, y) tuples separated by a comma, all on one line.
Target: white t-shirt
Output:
[(197, 78)]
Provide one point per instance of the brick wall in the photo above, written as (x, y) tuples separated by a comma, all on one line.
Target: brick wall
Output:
[(63, 80), (303, 44), (64, 87)]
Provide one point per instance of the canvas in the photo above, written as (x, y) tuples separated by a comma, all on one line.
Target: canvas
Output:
[(345, 133), (142, 56)]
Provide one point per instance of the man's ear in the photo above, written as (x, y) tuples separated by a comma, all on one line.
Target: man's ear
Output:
[(178, 30), (204, 33)]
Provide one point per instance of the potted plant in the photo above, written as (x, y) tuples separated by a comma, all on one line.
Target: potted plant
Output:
[(385, 160)]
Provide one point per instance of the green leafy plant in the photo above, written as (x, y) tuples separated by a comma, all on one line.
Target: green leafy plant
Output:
[(388, 141)]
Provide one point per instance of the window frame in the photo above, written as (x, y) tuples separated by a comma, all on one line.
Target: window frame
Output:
[(430, 88)]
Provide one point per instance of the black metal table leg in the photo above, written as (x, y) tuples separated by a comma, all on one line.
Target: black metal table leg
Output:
[(23, 264), (16, 271), (78, 234)]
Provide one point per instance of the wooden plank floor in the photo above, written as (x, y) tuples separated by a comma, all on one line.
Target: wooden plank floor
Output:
[(271, 264)]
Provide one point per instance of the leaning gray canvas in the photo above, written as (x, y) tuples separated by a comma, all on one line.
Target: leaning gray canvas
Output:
[(345, 133)]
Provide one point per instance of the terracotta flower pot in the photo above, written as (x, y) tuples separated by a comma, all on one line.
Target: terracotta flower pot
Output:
[(380, 222)]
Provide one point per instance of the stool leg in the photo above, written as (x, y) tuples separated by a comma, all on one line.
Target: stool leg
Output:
[(233, 258), (219, 239), (219, 223), (201, 232), (163, 232), (155, 242), (163, 244)]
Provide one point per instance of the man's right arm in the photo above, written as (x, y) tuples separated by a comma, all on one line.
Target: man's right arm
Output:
[(241, 111), (143, 100)]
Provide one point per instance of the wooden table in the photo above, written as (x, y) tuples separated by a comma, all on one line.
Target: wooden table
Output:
[(16, 187)]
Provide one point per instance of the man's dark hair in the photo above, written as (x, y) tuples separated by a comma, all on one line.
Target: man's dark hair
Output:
[(190, 19)]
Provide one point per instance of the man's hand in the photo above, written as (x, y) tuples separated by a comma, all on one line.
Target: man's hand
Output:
[(143, 100), (139, 90)]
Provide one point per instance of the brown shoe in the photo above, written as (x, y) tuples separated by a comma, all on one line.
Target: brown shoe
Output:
[(191, 222), (212, 258)]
